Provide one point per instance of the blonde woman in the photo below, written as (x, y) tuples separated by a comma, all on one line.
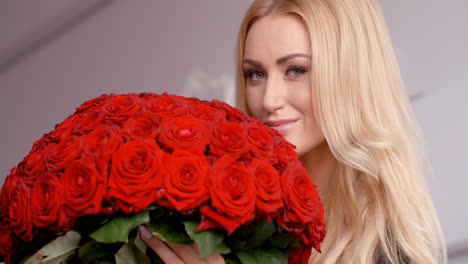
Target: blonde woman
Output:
[(323, 73)]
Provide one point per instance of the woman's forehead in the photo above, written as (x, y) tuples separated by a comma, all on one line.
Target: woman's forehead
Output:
[(277, 35)]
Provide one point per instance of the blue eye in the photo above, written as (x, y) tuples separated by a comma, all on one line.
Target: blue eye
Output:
[(254, 75), (296, 71)]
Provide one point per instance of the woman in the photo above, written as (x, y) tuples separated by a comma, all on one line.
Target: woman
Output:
[(323, 73)]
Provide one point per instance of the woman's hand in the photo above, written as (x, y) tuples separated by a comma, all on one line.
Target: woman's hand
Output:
[(172, 253)]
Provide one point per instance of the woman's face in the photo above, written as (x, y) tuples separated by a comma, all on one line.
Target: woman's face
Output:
[(277, 61)]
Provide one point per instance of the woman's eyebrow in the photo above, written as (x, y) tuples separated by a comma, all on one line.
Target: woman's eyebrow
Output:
[(253, 63), (278, 61), (290, 56)]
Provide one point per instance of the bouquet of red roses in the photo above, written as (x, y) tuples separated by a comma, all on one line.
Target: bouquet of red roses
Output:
[(192, 170)]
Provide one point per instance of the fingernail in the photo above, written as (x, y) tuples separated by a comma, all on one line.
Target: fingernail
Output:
[(145, 232)]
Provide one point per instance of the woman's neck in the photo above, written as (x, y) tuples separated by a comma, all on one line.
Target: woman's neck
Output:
[(320, 164)]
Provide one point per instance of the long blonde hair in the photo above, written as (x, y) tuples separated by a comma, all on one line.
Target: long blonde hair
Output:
[(379, 206)]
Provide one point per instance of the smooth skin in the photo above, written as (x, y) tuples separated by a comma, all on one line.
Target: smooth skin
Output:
[(277, 61), (276, 66)]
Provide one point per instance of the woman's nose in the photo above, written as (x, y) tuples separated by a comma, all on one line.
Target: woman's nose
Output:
[(274, 94)]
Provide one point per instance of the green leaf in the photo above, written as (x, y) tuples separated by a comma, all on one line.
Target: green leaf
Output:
[(246, 257), (233, 261), (152, 207), (207, 241), (118, 228), (223, 249), (57, 251), (272, 256), (171, 232), (252, 235), (263, 231), (237, 245), (105, 262), (280, 241), (94, 250), (295, 243)]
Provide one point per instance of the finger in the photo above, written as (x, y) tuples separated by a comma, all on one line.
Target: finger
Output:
[(164, 252), (187, 253)]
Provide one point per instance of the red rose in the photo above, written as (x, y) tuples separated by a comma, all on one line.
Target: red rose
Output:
[(303, 214), (228, 138), (185, 179), (63, 129), (59, 155), (267, 182), (87, 122), (136, 174), (302, 202), (41, 144), (311, 233), (148, 96), (300, 255), (93, 104), (232, 114), (206, 112), (125, 152), (83, 188), (7, 192), (285, 151), (20, 212), (142, 125), (232, 193), (8, 241), (46, 202), (32, 164), (184, 133), (167, 106), (261, 142), (102, 141), (120, 107), (100, 144)]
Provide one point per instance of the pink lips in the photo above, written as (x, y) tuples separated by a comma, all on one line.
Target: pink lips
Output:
[(282, 126)]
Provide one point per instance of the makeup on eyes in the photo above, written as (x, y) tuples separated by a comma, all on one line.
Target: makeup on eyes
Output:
[(297, 70), (249, 75), (294, 71)]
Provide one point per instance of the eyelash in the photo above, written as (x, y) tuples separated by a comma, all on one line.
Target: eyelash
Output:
[(249, 73), (298, 70)]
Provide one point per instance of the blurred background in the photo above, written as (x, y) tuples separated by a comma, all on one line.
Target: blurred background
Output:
[(54, 55)]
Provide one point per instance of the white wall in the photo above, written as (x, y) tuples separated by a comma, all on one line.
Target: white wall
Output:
[(56, 54)]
